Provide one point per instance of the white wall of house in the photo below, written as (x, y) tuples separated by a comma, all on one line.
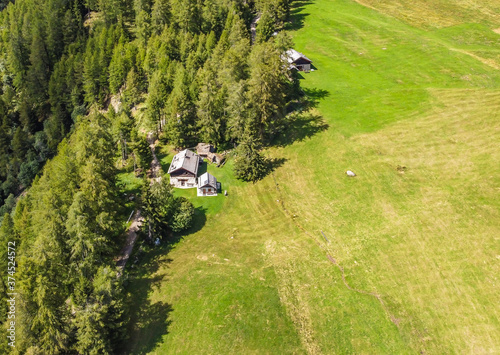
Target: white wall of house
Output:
[(183, 182)]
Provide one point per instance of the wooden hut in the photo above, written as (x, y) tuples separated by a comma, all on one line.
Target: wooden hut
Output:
[(203, 149), (298, 60)]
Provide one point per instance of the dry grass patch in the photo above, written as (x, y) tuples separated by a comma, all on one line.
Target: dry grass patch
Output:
[(488, 61), (292, 292), (438, 13)]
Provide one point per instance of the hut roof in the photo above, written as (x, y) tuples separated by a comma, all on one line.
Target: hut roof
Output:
[(207, 180), (204, 148), (215, 158), (292, 56), (186, 160)]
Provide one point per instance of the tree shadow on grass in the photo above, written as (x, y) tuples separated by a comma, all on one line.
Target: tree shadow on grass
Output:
[(164, 166), (149, 321), (274, 163), (271, 164), (155, 327), (297, 18), (199, 220), (300, 126), (310, 98), (314, 95)]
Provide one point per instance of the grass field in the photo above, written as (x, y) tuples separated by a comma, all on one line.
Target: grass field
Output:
[(414, 110)]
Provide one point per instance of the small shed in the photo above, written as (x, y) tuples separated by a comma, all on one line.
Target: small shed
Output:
[(207, 185), (215, 158), (203, 149), (298, 60)]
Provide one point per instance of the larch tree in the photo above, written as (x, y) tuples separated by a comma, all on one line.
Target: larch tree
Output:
[(267, 89)]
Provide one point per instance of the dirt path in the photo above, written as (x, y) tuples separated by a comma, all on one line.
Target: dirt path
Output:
[(253, 27), (131, 238), (155, 164), (137, 219)]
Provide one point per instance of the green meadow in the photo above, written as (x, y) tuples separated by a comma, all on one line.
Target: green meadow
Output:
[(413, 108)]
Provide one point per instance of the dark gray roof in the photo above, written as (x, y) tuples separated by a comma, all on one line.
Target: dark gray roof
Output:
[(207, 180), (186, 160), (292, 55)]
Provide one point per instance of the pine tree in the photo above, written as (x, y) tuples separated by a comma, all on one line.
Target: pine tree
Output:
[(55, 30), (158, 91), (183, 217), (142, 152), (101, 320), (37, 78), (50, 316), (265, 26), (213, 14), (160, 15), (249, 164), (131, 94), (163, 212), (122, 128), (211, 106), (142, 26), (188, 14), (180, 125), (118, 68), (238, 111), (86, 243), (159, 206), (5, 140), (20, 143), (267, 89), (235, 59)]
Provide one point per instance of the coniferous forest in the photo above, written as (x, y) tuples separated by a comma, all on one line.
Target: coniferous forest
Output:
[(199, 74)]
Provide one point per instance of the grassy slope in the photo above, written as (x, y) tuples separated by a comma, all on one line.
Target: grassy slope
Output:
[(255, 278)]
